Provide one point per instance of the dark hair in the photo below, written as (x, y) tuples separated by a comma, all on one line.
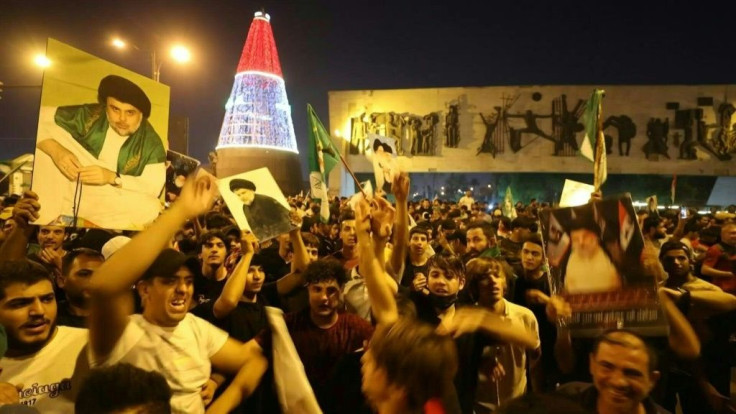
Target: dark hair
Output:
[(68, 259), (24, 272), (310, 239), (535, 239), (649, 223), (449, 263), (485, 227), (212, 234), (610, 337), (448, 224), (419, 230), (121, 386), (324, 270), (674, 245), (523, 223), (346, 215), (214, 220), (417, 359)]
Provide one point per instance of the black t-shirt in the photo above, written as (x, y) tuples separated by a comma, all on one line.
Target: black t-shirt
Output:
[(410, 271), (469, 352), (65, 318)]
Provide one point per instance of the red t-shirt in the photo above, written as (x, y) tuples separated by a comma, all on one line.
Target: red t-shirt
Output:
[(324, 352), (722, 257)]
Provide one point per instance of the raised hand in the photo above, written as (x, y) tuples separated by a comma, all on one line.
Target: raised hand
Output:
[(400, 186), (382, 217), (557, 309), (26, 209), (197, 196), (363, 221), (67, 163), (248, 243)]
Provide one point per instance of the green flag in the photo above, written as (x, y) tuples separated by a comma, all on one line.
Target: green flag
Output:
[(594, 136), (323, 157), (509, 210)]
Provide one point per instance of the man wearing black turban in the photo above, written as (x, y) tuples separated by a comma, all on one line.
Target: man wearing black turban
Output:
[(111, 148), (266, 217)]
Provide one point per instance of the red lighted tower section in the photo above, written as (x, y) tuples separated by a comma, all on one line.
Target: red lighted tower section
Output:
[(257, 130)]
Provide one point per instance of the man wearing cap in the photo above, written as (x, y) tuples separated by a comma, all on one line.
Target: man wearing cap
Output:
[(165, 337), (108, 146), (266, 217)]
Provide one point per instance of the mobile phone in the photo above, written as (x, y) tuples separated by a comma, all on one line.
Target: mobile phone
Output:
[(683, 212)]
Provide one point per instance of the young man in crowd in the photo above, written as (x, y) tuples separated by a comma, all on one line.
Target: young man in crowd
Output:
[(533, 292), (76, 270), (325, 338), (654, 231), (166, 337), (415, 268), (503, 368), (720, 260), (51, 240), (44, 363), (348, 253), (213, 250), (521, 228), (123, 388), (481, 241)]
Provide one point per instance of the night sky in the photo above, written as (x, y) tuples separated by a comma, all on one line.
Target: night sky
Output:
[(338, 45)]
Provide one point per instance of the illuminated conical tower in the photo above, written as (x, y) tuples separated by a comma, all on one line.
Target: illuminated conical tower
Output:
[(257, 130)]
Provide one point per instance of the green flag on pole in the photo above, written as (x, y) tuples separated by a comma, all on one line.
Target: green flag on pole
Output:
[(323, 157), (594, 136)]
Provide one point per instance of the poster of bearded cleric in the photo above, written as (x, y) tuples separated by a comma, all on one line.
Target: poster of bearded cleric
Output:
[(100, 157), (595, 263), (257, 203)]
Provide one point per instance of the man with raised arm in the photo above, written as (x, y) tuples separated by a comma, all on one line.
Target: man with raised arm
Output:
[(165, 337)]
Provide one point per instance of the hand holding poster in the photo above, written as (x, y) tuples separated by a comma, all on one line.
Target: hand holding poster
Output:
[(100, 150), (594, 254), (178, 168), (257, 203)]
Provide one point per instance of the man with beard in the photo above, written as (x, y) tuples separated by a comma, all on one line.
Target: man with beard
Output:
[(166, 337), (109, 146), (481, 241), (654, 231), (44, 364), (77, 268), (415, 268), (503, 367), (51, 239), (213, 249), (266, 217), (589, 268)]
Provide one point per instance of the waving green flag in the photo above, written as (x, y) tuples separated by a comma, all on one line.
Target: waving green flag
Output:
[(323, 157), (594, 136)]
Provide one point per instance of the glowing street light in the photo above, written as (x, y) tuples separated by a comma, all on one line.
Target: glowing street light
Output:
[(181, 54), (118, 43), (42, 61), (178, 53)]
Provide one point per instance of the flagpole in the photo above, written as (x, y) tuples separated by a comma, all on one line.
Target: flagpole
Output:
[(599, 147), (352, 174)]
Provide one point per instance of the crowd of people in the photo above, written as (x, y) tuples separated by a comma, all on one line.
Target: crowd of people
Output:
[(405, 307)]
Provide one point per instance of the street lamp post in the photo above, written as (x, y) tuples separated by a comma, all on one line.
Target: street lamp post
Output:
[(179, 53)]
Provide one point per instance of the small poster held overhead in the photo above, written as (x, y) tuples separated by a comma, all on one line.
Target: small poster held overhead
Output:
[(575, 193), (595, 262), (382, 153), (178, 168), (257, 203)]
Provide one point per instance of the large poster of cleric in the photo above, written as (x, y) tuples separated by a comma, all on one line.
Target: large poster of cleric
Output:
[(100, 158), (257, 203), (595, 262)]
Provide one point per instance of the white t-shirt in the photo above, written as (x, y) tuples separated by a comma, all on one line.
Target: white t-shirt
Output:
[(181, 354), (51, 377), (512, 357)]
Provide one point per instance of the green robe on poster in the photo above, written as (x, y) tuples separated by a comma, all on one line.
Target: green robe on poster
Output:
[(88, 125)]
